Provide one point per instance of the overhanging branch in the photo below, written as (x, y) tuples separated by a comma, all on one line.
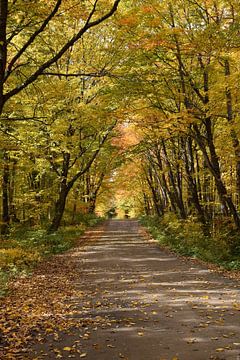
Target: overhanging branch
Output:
[(88, 25)]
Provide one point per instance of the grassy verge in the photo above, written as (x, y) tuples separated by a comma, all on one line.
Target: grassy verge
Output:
[(186, 238), (24, 248)]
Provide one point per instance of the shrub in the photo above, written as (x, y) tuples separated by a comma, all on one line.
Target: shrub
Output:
[(17, 257), (186, 237)]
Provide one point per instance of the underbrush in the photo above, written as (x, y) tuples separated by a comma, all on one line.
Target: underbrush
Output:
[(186, 237), (24, 248)]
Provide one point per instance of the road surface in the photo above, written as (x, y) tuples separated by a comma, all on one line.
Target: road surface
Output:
[(143, 303)]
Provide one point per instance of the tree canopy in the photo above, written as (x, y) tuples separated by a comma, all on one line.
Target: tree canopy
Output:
[(119, 104)]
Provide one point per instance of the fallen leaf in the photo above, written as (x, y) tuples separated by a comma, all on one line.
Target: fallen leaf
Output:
[(67, 348)]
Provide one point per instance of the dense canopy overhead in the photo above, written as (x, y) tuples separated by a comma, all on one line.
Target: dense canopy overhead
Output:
[(131, 106)]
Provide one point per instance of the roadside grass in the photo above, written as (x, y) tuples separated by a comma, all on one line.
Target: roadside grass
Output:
[(186, 238), (24, 248)]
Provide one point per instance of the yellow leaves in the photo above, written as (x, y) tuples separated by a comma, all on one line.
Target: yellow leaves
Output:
[(49, 330), (236, 306), (67, 348), (17, 256)]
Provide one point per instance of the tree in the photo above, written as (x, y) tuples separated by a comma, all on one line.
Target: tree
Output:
[(23, 57)]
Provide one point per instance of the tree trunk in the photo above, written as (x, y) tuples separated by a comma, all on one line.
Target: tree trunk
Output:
[(62, 197), (92, 204), (59, 208), (155, 195), (146, 204), (164, 183), (177, 191), (234, 137), (3, 48), (74, 212), (192, 185), (214, 168), (12, 208), (5, 195), (3, 57)]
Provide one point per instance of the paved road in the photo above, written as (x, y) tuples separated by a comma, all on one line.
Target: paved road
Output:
[(142, 303)]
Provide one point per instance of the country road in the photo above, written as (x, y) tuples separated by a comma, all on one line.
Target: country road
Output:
[(143, 303)]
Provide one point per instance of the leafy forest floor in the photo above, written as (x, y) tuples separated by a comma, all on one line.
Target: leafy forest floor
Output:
[(22, 249), (118, 295)]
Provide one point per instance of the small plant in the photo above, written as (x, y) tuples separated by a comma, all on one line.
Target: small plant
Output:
[(17, 257)]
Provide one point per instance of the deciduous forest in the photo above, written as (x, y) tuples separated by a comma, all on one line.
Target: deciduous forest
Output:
[(134, 110), (119, 109)]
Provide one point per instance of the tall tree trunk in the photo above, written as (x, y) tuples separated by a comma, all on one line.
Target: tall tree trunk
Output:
[(198, 177), (12, 208), (62, 196), (234, 137), (164, 183), (92, 204), (5, 194), (190, 172), (3, 57), (177, 193), (3, 48), (214, 168), (74, 212), (155, 196), (146, 204), (215, 165), (59, 207), (207, 197)]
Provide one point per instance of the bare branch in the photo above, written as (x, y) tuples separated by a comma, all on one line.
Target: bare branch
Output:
[(97, 74)]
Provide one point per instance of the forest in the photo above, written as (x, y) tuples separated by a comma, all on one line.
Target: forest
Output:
[(120, 108)]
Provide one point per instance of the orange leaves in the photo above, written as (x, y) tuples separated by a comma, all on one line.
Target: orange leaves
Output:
[(147, 9), (127, 136), (129, 20)]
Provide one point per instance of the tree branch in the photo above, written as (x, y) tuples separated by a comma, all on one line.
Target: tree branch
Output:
[(89, 164), (99, 74), (31, 39), (88, 25)]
